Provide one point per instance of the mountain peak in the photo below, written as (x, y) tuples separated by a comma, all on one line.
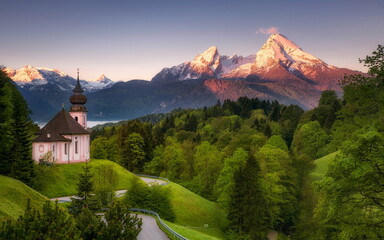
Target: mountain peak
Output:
[(103, 79), (208, 57), (278, 49), (282, 41)]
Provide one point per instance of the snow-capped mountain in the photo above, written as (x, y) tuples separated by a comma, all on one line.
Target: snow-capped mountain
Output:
[(47, 89), (97, 84), (35, 77), (280, 70), (279, 59), (208, 64)]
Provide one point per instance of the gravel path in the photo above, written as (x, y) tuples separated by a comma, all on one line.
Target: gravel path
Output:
[(152, 181), (150, 230)]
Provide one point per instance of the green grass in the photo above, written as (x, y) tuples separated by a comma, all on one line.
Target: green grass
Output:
[(61, 180), (191, 233), (322, 166), (14, 196), (191, 210), (194, 212)]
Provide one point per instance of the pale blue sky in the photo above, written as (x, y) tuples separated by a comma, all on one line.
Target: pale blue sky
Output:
[(136, 39)]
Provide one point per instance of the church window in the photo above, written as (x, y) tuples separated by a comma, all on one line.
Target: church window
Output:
[(76, 147), (77, 119), (53, 148), (65, 149)]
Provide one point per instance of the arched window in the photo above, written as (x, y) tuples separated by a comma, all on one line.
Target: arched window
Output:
[(76, 148), (65, 148), (77, 119)]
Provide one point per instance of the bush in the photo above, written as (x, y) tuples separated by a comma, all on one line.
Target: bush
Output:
[(155, 198)]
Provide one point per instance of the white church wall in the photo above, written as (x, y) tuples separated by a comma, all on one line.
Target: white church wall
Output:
[(80, 117), (64, 152)]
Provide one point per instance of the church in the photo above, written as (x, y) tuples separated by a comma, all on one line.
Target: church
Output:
[(65, 137)]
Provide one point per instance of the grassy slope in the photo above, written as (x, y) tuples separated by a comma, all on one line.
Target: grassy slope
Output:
[(14, 196), (322, 166), (61, 180), (190, 233), (193, 212)]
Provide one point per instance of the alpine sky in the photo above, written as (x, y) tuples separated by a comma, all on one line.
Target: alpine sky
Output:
[(135, 39)]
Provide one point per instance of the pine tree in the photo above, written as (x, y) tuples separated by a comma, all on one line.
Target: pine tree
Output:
[(23, 164), (6, 111), (84, 199), (15, 152), (248, 210), (50, 223), (120, 224)]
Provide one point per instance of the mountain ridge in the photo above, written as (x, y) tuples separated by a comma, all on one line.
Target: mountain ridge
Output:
[(280, 70)]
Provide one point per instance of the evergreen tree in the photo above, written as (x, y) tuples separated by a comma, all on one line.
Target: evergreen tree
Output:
[(133, 153), (23, 164), (84, 198), (15, 127), (248, 209), (50, 223), (120, 224)]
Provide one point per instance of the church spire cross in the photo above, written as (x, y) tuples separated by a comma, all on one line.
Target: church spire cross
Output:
[(78, 88)]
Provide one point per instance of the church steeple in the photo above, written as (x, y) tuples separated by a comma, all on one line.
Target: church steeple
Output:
[(78, 111), (78, 88), (78, 99)]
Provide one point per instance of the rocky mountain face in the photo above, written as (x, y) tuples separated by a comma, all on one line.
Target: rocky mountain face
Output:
[(280, 70), (206, 65)]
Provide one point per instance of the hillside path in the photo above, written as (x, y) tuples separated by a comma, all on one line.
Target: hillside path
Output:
[(150, 230), (119, 193)]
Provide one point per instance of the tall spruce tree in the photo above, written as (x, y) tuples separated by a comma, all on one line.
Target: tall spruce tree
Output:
[(15, 154), (248, 208), (83, 199)]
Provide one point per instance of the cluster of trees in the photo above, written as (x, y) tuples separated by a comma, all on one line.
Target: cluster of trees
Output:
[(16, 131), (95, 193), (348, 203), (210, 151), (254, 158)]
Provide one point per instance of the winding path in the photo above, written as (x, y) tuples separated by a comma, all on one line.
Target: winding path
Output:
[(149, 230)]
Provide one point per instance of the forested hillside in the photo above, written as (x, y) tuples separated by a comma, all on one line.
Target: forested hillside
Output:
[(16, 130), (254, 158)]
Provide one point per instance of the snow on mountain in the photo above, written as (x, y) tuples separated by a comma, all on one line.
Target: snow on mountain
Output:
[(209, 64), (97, 84), (33, 77), (280, 49), (104, 80), (279, 60)]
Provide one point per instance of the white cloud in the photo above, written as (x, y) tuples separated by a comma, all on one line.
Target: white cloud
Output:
[(270, 30)]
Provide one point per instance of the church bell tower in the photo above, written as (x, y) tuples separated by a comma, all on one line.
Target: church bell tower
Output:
[(78, 111)]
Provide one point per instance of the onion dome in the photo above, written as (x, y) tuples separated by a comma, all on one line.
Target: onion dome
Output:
[(78, 99)]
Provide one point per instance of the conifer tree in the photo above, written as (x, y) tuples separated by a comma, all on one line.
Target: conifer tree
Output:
[(23, 164), (15, 152), (248, 210), (50, 223), (83, 199)]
